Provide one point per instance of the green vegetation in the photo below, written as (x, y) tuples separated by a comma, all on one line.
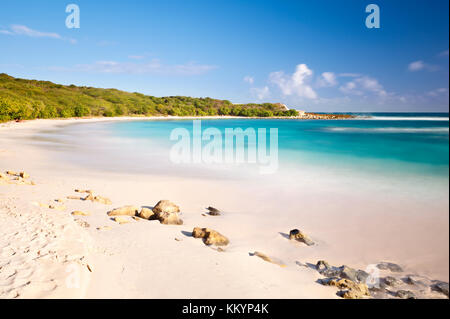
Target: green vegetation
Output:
[(30, 99)]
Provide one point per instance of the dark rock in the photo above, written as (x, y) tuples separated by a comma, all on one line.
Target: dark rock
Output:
[(348, 273), (213, 211), (391, 281), (389, 266), (322, 265), (405, 294), (298, 235), (414, 281), (361, 275), (441, 287)]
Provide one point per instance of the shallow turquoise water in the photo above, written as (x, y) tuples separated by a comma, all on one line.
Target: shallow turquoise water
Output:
[(414, 143)]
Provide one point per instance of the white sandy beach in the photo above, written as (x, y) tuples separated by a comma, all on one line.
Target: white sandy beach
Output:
[(44, 249)]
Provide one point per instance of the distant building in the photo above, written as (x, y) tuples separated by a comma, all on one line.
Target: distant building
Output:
[(301, 113)]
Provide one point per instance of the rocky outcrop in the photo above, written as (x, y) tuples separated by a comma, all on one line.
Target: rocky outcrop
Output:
[(320, 116), (210, 236), (298, 235), (441, 287), (167, 213), (389, 266), (124, 211), (391, 281), (348, 288), (405, 294), (166, 207), (345, 272)]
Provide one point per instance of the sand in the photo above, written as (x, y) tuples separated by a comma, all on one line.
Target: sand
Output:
[(96, 257)]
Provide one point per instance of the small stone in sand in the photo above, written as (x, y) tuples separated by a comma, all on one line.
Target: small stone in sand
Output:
[(297, 235), (12, 173), (80, 213), (267, 258), (104, 228), (24, 175), (83, 191), (124, 211), (121, 220), (74, 197), (213, 211), (82, 223), (210, 236)]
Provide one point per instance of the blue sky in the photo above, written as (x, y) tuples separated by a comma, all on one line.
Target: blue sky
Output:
[(311, 55)]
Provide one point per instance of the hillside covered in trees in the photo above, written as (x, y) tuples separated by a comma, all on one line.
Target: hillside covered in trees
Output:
[(31, 99)]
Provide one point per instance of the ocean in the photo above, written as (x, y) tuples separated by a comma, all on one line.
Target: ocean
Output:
[(392, 145)]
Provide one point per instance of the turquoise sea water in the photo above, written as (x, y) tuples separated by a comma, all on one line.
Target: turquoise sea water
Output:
[(413, 143)]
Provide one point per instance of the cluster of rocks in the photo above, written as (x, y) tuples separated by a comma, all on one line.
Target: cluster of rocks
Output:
[(210, 236), (90, 196), (11, 177), (318, 116), (349, 281), (164, 211), (357, 284)]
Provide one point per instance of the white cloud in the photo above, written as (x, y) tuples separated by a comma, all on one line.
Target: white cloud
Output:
[(295, 84), (327, 79), (420, 65), (26, 31), (349, 75), (416, 66), (444, 53), (438, 92), (152, 67), (249, 79), (261, 93), (363, 84)]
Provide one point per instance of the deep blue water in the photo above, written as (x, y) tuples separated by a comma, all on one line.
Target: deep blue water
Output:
[(416, 143)]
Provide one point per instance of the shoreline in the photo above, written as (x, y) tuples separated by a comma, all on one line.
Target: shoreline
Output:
[(170, 117), (124, 251)]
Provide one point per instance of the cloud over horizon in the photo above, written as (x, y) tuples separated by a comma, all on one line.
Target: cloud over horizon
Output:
[(155, 66), (16, 29), (295, 84)]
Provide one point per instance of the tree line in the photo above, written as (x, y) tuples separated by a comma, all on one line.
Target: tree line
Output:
[(22, 99)]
